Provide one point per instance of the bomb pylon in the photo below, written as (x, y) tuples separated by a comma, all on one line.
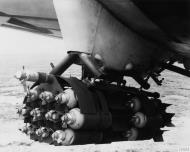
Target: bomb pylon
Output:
[(68, 111)]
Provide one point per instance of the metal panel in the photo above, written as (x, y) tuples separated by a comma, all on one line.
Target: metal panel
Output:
[(35, 8), (89, 27), (37, 16), (131, 16), (118, 45), (78, 21)]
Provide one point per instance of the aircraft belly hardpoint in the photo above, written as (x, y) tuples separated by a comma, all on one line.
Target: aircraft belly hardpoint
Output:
[(110, 40)]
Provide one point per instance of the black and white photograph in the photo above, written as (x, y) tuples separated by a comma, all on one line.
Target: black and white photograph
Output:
[(95, 76)]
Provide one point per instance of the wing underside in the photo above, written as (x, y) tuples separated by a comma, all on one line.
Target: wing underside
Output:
[(37, 16)]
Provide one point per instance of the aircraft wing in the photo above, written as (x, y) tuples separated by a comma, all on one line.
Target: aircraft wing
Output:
[(37, 16)]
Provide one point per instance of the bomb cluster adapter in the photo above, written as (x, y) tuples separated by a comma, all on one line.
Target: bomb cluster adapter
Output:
[(93, 109)]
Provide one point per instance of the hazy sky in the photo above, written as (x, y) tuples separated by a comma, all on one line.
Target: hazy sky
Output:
[(18, 48), (20, 42)]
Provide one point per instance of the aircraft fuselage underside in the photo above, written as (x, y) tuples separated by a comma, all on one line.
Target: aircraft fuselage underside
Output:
[(100, 107)]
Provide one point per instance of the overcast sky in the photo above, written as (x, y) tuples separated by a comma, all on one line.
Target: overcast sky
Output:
[(18, 48), (20, 42)]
